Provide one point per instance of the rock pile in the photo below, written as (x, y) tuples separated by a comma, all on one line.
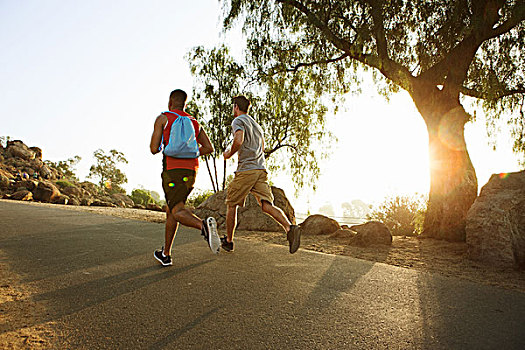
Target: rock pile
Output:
[(24, 176)]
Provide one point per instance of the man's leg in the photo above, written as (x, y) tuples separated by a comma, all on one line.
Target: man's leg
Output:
[(183, 215), (293, 232), (276, 213), (231, 221), (170, 231)]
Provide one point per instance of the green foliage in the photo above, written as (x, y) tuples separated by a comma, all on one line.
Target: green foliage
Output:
[(292, 117), (198, 197), (64, 184), (142, 197), (452, 48), (216, 82), (66, 167), (403, 215), (105, 170), (4, 140)]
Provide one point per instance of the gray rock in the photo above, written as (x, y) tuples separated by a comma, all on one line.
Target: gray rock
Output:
[(319, 225), (250, 217), (61, 199), (45, 192), (22, 195), (100, 203), (371, 233), (123, 200), (495, 229)]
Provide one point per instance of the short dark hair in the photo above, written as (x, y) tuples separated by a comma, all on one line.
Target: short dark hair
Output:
[(178, 97), (242, 102)]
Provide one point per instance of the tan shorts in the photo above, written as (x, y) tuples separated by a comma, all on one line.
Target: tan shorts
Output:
[(250, 181)]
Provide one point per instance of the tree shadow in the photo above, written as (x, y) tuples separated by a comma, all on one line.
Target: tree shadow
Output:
[(74, 298), (166, 341)]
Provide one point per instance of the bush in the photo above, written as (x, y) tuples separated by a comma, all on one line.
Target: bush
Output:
[(142, 197), (403, 215), (198, 197)]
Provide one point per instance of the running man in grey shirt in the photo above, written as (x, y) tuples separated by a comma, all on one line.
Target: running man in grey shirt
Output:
[(251, 176)]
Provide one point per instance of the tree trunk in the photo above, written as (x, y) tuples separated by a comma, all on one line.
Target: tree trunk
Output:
[(453, 182)]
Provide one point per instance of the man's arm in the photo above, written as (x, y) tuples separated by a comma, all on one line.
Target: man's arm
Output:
[(156, 137), (205, 145), (238, 139)]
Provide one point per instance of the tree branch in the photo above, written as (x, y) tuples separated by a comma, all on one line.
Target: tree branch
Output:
[(515, 18), (379, 28), (390, 69), (484, 96), (268, 153), (460, 57), (309, 64)]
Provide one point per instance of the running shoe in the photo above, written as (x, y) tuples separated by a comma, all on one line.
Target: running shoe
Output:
[(165, 260), (209, 231)]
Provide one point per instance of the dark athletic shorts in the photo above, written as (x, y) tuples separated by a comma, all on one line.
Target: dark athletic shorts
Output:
[(177, 185)]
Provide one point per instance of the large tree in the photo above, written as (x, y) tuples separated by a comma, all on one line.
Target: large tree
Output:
[(442, 52), (291, 117)]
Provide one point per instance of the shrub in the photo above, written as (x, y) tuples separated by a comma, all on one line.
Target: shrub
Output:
[(198, 197), (403, 215), (142, 196)]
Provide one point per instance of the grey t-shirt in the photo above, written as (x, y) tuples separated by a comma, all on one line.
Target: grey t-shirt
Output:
[(251, 153)]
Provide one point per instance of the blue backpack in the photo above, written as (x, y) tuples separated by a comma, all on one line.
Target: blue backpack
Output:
[(182, 142)]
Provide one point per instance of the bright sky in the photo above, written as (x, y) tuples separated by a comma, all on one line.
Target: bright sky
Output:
[(79, 76)]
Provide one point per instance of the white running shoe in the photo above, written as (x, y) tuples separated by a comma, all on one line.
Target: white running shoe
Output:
[(209, 231)]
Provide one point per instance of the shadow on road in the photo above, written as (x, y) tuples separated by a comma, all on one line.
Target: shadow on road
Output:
[(74, 298), (168, 340)]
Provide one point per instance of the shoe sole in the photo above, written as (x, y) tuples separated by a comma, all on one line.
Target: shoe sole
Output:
[(214, 241), (162, 262), (296, 241)]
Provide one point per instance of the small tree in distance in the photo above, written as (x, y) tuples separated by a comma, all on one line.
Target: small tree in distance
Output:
[(66, 167), (110, 177)]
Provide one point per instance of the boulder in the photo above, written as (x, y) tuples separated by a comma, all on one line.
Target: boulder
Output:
[(45, 192), (61, 199), (4, 179), (250, 217), (371, 233), (73, 201), (72, 191), (125, 201), (319, 225), (38, 152), (86, 201), (45, 172), (90, 188), (29, 185), (154, 207), (17, 149), (343, 233), (495, 228), (101, 203), (22, 195)]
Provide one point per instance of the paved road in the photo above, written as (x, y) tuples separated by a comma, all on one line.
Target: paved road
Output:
[(97, 280)]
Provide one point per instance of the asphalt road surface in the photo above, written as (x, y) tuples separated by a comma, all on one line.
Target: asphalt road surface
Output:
[(97, 280)]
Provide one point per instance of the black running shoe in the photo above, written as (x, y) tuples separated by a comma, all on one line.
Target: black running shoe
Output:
[(294, 238), (227, 246), (165, 260), (209, 231)]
